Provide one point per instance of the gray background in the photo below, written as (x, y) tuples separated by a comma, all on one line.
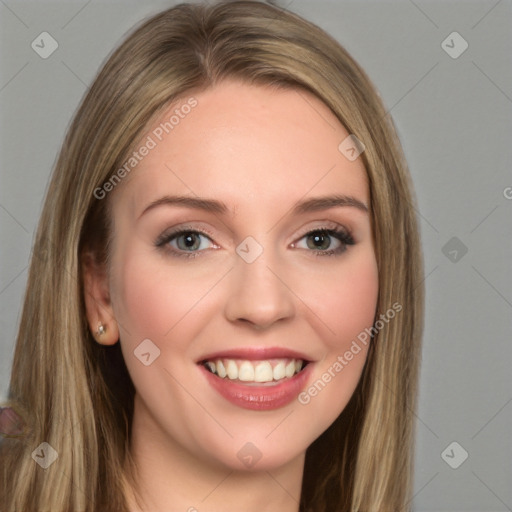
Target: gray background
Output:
[(454, 119)]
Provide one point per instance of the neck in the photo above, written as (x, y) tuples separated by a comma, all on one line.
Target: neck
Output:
[(166, 474)]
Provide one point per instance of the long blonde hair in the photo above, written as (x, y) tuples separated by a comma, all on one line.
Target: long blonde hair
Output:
[(77, 395)]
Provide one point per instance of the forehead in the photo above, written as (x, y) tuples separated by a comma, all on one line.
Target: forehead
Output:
[(244, 142)]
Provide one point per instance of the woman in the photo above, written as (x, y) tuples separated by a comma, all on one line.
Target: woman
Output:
[(225, 304)]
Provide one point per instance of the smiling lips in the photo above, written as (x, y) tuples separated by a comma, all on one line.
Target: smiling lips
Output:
[(259, 378)]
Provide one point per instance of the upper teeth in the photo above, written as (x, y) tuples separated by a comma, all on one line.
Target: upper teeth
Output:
[(255, 371)]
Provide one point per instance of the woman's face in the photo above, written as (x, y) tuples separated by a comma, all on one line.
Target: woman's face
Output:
[(242, 243)]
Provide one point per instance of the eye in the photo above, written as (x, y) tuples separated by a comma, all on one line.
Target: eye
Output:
[(185, 241), (326, 242)]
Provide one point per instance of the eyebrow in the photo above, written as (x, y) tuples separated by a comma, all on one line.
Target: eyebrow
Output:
[(325, 202), (212, 205)]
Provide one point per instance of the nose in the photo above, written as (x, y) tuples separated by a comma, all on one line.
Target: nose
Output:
[(259, 293)]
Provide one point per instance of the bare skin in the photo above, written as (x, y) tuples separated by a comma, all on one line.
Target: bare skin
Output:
[(260, 152)]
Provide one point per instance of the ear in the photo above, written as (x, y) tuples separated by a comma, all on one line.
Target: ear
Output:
[(97, 300)]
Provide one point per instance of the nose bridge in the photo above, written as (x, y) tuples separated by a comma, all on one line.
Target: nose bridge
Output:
[(258, 294)]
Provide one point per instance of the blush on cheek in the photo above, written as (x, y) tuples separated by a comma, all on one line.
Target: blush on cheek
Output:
[(348, 308), (154, 297), (141, 299), (348, 304)]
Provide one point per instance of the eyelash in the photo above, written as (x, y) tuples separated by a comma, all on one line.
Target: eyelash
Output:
[(342, 235)]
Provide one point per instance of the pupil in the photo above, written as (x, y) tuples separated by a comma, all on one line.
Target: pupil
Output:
[(320, 241), (190, 241)]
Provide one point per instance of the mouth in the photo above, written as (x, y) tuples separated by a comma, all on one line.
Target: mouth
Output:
[(268, 372), (257, 379)]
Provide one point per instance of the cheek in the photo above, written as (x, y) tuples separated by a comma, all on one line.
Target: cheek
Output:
[(155, 302), (155, 299), (354, 308), (347, 307), (345, 299), (144, 300)]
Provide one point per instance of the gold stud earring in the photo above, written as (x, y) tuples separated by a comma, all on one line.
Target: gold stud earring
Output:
[(101, 329)]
